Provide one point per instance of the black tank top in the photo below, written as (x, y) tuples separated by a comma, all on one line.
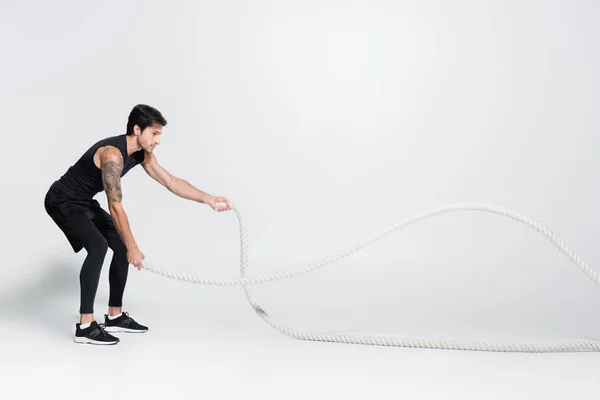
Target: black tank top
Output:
[(83, 180)]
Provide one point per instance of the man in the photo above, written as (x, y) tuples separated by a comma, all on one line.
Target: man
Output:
[(70, 203)]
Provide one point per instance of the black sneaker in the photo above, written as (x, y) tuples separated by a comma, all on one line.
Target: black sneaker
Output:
[(93, 334), (123, 323)]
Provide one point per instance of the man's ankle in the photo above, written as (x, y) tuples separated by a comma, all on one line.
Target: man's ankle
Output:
[(112, 311), (86, 319)]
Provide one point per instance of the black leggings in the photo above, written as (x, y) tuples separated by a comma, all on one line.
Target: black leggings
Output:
[(88, 226), (97, 242)]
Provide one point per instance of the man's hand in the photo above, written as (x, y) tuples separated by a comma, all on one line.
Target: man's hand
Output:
[(135, 257), (218, 203)]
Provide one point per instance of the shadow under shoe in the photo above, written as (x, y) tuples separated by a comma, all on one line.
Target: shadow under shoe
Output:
[(94, 334), (123, 323)]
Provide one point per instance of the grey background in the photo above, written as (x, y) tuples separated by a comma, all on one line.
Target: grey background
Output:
[(325, 123)]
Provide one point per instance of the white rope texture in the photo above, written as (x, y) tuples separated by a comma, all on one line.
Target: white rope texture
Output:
[(245, 281)]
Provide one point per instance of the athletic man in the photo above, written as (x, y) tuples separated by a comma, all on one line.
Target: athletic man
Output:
[(70, 203)]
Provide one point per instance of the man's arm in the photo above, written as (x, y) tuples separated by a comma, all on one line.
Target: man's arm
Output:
[(175, 185), (111, 162)]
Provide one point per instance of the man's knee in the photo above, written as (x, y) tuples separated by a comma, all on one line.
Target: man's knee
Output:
[(117, 246), (97, 246)]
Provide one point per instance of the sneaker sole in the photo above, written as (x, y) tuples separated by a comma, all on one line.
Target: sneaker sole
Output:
[(119, 329), (84, 340)]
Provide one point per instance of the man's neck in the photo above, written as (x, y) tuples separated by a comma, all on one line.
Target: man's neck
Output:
[(132, 145)]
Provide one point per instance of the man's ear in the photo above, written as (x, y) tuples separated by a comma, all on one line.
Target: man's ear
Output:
[(137, 130)]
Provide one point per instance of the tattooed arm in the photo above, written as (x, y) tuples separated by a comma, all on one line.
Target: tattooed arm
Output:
[(111, 164)]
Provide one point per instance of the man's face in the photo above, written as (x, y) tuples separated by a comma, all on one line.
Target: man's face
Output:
[(150, 137)]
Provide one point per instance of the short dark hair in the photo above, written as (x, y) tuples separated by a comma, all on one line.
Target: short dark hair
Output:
[(144, 115)]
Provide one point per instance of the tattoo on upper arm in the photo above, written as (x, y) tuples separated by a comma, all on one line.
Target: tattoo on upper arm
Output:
[(111, 178)]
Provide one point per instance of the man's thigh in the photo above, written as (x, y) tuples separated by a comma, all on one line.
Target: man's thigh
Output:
[(74, 219)]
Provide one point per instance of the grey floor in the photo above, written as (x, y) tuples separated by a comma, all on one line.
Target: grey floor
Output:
[(205, 342)]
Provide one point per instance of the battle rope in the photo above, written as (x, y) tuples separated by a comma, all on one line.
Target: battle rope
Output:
[(245, 281)]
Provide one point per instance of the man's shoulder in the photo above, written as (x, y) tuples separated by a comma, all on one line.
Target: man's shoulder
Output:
[(105, 154)]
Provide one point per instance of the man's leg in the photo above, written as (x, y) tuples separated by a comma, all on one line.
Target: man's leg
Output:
[(119, 266), (96, 246), (117, 276), (88, 330)]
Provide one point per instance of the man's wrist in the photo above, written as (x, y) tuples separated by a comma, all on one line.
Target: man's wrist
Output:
[(133, 247)]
